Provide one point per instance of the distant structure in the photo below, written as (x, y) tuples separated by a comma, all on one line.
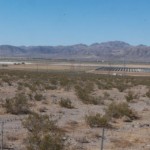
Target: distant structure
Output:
[(123, 69)]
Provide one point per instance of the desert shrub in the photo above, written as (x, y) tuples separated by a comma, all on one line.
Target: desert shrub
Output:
[(121, 87), (17, 105), (13, 138), (50, 87), (31, 86), (104, 85), (43, 133), (83, 94), (66, 103), (119, 110), (130, 96), (20, 87), (106, 95), (30, 95), (42, 109), (96, 100), (7, 80), (38, 97), (148, 93), (122, 143), (65, 81), (54, 81), (97, 120)]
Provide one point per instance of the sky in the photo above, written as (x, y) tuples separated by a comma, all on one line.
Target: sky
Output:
[(68, 22)]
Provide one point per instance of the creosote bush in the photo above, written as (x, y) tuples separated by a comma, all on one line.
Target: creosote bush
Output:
[(38, 97), (84, 92), (148, 93), (50, 87), (119, 110), (17, 105), (106, 95), (97, 120), (130, 96), (43, 133), (66, 103)]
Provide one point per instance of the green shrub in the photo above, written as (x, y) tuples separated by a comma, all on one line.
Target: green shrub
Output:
[(121, 87), (106, 95), (43, 133), (38, 97), (66, 103), (17, 105), (97, 120), (131, 96), (148, 93), (50, 87), (104, 85), (7, 80), (83, 94), (20, 87), (119, 110)]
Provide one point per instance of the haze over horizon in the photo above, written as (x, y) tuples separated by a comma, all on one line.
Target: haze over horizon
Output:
[(103, 42), (69, 22)]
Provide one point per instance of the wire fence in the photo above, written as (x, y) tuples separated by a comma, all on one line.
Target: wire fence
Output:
[(131, 138), (10, 128), (126, 139)]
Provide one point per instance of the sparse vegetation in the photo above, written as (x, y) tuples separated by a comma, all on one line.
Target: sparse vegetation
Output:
[(119, 110), (51, 92), (38, 97), (84, 94), (50, 87), (66, 103), (17, 105), (148, 93), (97, 120), (43, 134), (106, 95), (130, 96)]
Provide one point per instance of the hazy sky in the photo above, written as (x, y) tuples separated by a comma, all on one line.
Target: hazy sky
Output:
[(67, 22)]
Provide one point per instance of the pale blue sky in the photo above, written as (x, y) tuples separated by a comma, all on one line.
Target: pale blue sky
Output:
[(67, 22)]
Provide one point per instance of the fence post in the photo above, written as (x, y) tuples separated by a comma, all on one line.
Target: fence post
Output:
[(102, 141), (2, 125)]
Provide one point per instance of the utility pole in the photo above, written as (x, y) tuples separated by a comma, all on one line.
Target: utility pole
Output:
[(37, 67), (47, 65), (2, 126), (102, 141), (124, 66)]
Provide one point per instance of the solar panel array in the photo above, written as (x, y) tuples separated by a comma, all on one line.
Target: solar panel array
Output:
[(124, 69)]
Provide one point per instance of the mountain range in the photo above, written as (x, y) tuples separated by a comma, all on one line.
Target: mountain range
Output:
[(112, 51)]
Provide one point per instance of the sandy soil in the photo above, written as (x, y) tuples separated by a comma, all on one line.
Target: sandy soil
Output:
[(127, 135)]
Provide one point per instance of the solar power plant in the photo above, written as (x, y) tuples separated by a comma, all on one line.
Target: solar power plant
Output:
[(124, 69)]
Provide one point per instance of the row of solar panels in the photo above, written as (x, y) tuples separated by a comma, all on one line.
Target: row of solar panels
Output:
[(126, 69)]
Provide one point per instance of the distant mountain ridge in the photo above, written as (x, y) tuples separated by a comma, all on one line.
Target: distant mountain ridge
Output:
[(113, 50)]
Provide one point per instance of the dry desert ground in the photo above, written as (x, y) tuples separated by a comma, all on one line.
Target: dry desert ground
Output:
[(81, 103)]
